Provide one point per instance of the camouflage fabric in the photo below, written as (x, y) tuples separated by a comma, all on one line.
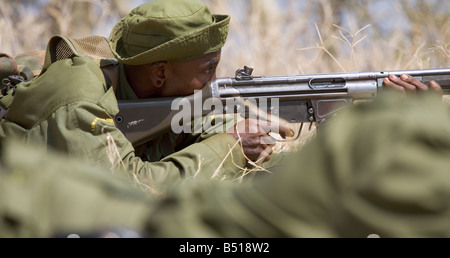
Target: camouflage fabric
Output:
[(32, 60), (14, 65), (8, 66)]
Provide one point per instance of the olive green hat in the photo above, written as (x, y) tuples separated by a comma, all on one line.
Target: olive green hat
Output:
[(167, 30)]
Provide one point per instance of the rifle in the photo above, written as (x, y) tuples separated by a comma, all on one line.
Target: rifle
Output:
[(306, 98)]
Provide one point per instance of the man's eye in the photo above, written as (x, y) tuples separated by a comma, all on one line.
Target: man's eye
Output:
[(210, 70)]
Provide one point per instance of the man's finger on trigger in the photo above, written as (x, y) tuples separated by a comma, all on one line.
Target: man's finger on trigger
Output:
[(268, 140), (286, 131), (281, 130)]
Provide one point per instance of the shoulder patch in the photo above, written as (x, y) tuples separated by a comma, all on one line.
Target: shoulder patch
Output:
[(94, 123)]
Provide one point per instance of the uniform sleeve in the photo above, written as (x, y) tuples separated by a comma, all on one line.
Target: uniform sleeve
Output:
[(89, 132)]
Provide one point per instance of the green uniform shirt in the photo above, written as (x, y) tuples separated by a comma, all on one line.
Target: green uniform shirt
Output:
[(70, 108)]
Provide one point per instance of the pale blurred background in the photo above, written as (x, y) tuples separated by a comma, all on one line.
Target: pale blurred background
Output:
[(273, 36)]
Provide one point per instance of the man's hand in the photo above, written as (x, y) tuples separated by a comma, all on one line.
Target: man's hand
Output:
[(410, 85), (255, 140)]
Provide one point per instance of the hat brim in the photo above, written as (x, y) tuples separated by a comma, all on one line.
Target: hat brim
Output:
[(195, 44)]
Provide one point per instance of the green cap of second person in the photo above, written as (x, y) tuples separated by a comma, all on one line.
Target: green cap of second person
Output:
[(168, 30)]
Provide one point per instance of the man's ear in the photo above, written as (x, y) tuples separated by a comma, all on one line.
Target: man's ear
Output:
[(158, 73)]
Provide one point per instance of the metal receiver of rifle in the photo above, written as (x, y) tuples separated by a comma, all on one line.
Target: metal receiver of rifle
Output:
[(304, 98)]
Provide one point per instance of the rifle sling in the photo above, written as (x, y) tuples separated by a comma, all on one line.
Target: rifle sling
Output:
[(111, 74)]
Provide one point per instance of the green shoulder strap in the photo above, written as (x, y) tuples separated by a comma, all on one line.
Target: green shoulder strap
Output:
[(110, 71)]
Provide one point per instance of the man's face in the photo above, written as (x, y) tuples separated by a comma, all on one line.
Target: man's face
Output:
[(182, 78)]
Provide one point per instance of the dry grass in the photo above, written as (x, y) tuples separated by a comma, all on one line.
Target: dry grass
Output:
[(313, 37), (146, 182), (27, 25), (273, 38)]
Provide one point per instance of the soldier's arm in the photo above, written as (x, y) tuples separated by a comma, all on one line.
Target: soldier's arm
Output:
[(70, 109), (218, 157)]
